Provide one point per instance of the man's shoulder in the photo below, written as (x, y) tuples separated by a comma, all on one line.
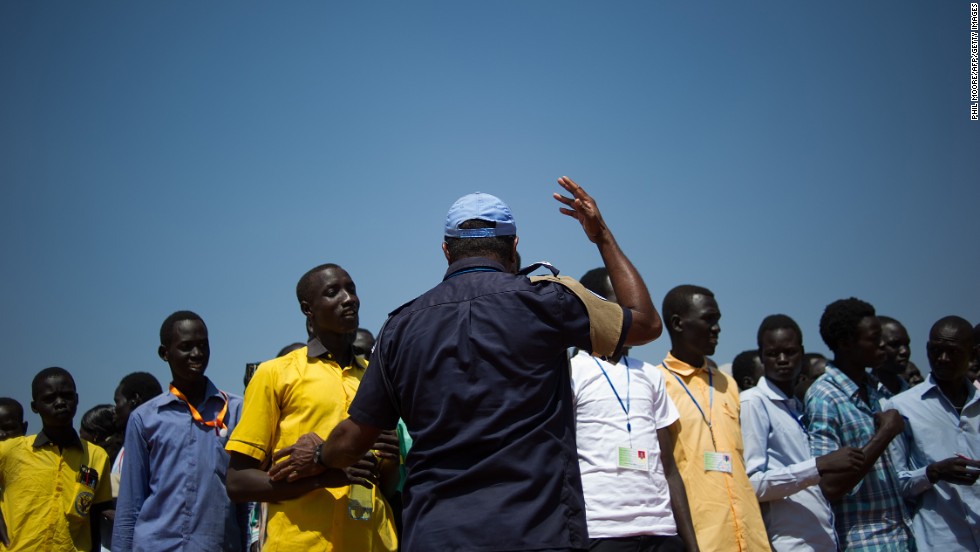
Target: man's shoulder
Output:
[(17, 445), (152, 406), (755, 396), (96, 455), (825, 386), (909, 398)]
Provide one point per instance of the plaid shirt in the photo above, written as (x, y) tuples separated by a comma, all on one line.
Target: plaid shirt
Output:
[(872, 517)]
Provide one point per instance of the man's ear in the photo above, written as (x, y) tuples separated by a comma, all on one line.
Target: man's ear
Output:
[(445, 251), (33, 408), (24, 428), (304, 307), (162, 353), (675, 324)]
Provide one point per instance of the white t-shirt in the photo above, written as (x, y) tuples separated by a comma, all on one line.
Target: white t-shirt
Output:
[(621, 502)]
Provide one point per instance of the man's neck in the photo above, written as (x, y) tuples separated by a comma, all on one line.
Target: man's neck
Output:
[(851, 369), (193, 390), (891, 380), (339, 347), (784, 386), (60, 436), (693, 358), (956, 391)]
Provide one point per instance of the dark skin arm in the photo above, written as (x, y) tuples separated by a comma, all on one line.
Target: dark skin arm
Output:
[(678, 493), (247, 481), (837, 484), (4, 538), (347, 445), (956, 470), (631, 291), (94, 517)]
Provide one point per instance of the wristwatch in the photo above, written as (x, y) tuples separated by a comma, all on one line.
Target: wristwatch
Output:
[(318, 454)]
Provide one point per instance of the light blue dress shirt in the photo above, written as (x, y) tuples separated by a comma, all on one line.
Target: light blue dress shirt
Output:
[(946, 516), (783, 472), (172, 490)]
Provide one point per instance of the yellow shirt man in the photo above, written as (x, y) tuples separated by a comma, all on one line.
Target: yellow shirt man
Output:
[(306, 391), (48, 493), (724, 509)]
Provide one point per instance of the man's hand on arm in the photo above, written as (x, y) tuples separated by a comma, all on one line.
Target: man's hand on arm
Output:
[(631, 291), (956, 470), (247, 481), (888, 425), (842, 460), (298, 460)]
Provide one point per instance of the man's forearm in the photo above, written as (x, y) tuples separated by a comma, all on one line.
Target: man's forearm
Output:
[(246, 482), (835, 485), (631, 291), (347, 444)]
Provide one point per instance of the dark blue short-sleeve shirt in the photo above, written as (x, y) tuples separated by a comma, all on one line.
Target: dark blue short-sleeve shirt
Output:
[(478, 369)]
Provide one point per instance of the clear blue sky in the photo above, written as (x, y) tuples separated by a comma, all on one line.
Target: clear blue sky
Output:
[(157, 156)]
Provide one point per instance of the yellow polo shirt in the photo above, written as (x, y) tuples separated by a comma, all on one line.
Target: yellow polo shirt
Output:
[(290, 396), (724, 508), (45, 505)]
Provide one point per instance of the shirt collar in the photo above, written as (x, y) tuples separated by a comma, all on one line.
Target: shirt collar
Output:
[(930, 386), (682, 368), (774, 393), (210, 390), (42, 439), (316, 349), (850, 388), (473, 263)]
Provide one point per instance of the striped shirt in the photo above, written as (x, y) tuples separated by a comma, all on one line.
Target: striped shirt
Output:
[(872, 517)]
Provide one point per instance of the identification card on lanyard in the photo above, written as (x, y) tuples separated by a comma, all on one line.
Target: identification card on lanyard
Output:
[(713, 459), (630, 458)]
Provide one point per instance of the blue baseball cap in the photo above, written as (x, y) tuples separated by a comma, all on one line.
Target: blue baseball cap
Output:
[(480, 206)]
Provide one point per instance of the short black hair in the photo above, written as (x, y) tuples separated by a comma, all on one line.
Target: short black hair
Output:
[(778, 322), (496, 247), (139, 386), (957, 323), (744, 364), (14, 405), (304, 287), (840, 320), (678, 300), (52, 372), (167, 328), (889, 320), (597, 281)]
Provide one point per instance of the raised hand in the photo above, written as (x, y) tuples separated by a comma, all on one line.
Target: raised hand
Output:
[(582, 208)]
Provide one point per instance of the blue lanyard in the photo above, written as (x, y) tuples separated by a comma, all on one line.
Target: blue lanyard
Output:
[(625, 407), (711, 401)]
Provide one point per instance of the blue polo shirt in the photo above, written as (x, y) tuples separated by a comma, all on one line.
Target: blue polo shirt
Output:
[(478, 370)]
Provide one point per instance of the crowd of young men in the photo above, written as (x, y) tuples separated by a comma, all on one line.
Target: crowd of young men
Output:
[(472, 428)]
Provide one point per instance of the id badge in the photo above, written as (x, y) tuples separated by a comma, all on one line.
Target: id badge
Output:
[(79, 508), (633, 459), (718, 461)]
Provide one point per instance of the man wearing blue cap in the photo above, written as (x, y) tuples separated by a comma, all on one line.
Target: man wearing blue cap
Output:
[(477, 369)]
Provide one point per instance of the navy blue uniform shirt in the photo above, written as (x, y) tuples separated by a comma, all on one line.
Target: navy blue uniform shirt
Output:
[(478, 369)]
